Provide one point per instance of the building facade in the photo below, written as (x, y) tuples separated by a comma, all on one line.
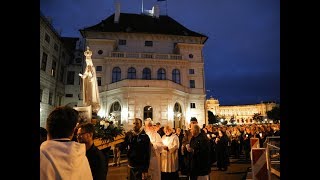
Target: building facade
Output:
[(242, 114), (58, 57), (148, 66)]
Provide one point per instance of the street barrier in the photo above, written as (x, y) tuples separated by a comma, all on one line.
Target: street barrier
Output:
[(259, 164), (254, 143)]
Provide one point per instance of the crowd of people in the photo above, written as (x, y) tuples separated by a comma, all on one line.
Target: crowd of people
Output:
[(153, 151)]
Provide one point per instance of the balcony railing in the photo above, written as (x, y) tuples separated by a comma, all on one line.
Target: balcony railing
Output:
[(144, 55)]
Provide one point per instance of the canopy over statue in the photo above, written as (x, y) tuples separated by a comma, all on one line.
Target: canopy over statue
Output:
[(90, 89)]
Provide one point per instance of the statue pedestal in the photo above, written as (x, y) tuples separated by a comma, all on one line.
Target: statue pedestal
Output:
[(85, 112)]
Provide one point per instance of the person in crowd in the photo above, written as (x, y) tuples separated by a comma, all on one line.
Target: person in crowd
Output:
[(43, 134), (169, 155), (246, 143), (221, 151), (96, 158), (137, 143), (159, 129), (116, 155), (199, 147), (61, 158), (180, 135), (156, 148), (186, 140)]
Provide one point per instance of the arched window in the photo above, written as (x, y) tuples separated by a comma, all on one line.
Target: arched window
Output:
[(176, 76), (177, 115), (161, 74), (115, 112), (146, 73), (132, 73), (116, 74), (147, 112)]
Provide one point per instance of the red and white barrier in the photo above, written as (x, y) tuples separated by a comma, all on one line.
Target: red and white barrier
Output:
[(259, 164), (254, 143)]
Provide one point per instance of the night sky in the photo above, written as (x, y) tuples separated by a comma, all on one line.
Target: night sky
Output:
[(242, 53)]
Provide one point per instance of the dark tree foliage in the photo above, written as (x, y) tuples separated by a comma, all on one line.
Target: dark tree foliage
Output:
[(274, 113)]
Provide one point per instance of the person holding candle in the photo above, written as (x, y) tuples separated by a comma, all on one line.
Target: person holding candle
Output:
[(199, 147), (169, 155)]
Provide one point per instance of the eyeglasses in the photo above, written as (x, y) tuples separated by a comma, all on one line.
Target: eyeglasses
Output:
[(81, 134)]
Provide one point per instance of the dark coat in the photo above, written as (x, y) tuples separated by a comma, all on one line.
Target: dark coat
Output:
[(97, 163), (138, 149), (200, 160)]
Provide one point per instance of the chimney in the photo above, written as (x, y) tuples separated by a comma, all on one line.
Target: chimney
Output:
[(156, 11), (117, 12)]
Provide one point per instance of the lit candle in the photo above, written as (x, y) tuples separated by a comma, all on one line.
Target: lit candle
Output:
[(166, 141)]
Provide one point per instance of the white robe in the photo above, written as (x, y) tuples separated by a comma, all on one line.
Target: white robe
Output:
[(156, 148), (169, 159), (64, 161)]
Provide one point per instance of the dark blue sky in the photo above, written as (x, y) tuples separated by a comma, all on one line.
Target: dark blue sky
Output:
[(242, 54)]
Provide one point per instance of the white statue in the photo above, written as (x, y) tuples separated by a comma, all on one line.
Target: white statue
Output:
[(90, 89)]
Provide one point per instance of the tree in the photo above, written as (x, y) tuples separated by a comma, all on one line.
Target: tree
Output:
[(211, 118), (257, 117), (274, 114)]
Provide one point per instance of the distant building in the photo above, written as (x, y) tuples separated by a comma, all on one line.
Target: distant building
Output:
[(240, 113), (148, 66)]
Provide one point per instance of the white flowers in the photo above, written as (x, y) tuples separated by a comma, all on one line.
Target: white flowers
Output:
[(104, 124)]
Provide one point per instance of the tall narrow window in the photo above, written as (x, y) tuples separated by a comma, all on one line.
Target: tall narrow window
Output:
[(70, 78), (116, 74), (147, 112), (146, 74), (47, 38), (192, 84), (56, 47), (192, 105), (61, 74), (131, 73), (53, 68), (44, 61), (161, 74), (99, 81), (176, 76), (50, 98)]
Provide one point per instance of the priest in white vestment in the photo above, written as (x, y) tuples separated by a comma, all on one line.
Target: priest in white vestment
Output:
[(156, 148), (169, 155)]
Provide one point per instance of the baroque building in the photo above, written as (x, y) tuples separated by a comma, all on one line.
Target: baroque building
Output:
[(148, 66), (240, 113)]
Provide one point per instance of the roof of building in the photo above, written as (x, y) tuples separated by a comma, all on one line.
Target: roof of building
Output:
[(142, 23)]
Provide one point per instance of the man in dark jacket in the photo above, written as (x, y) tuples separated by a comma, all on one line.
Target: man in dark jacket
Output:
[(138, 147), (96, 158)]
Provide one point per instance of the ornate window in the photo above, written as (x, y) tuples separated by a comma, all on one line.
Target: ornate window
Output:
[(131, 73), (146, 73), (161, 74), (116, 74), (147, 112), (176, 76)]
